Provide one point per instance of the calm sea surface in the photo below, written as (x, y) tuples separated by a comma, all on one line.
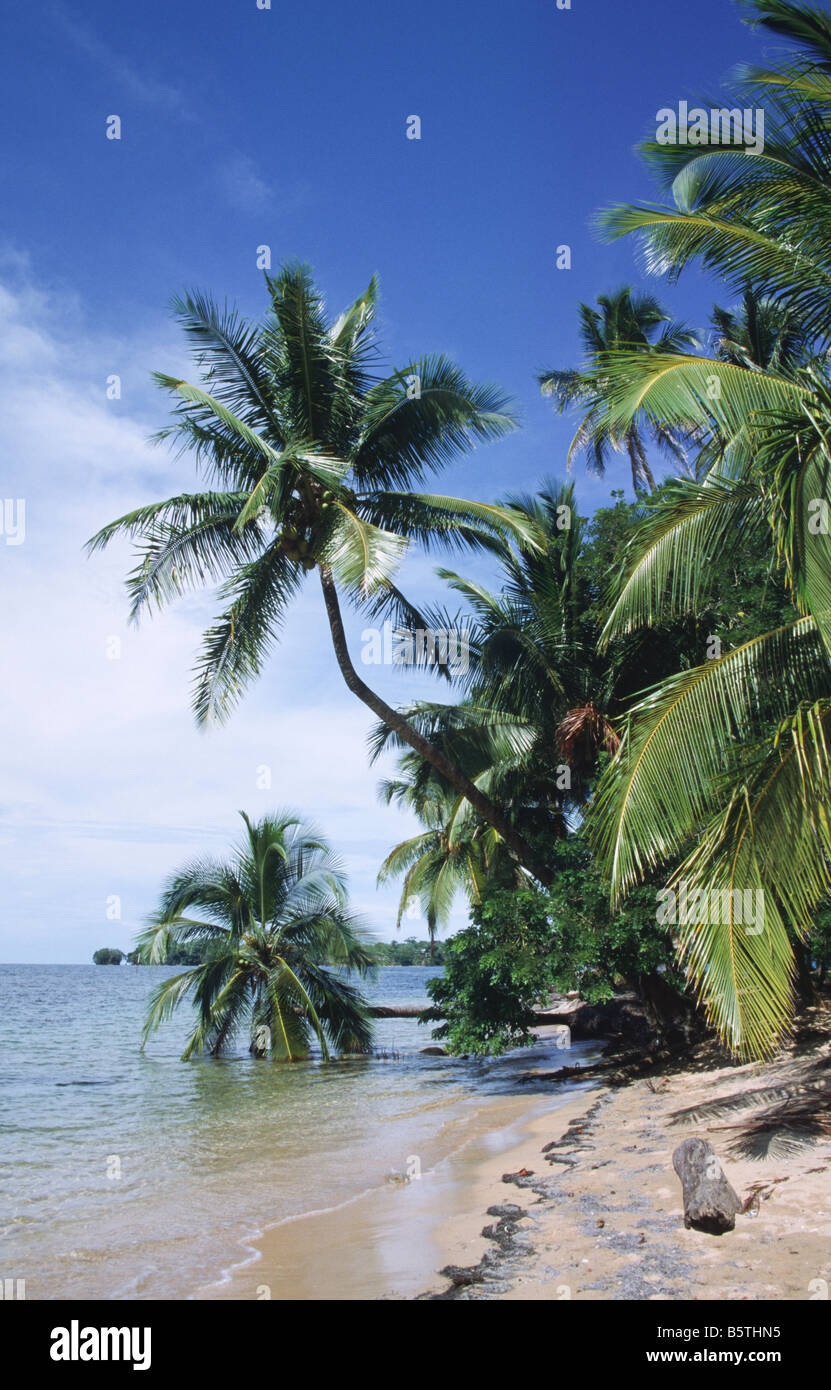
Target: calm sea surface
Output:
[(134, 1175)]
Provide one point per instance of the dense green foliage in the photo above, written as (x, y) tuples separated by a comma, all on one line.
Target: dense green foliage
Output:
[(495, 972), (410, 951), (522, 946), (589, 946), (592, 949), (819, 942), (108, 955)]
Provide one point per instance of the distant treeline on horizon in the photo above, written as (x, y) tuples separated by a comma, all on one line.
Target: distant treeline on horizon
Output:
[(408, 952)]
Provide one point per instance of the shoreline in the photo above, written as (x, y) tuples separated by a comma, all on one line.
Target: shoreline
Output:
[(383, 1242), (573, 1196), (599, 1215)]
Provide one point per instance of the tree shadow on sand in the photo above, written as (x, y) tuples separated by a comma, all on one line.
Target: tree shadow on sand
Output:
[(788, 1116)]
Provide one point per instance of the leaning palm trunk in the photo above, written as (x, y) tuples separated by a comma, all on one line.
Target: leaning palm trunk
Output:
[(488, 811)]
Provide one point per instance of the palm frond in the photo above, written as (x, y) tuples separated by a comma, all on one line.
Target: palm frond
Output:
[(665, 569), (417, 420), (773, 840), (236, 646), (666, 778)]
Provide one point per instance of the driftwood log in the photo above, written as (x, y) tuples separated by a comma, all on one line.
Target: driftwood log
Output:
[(391, 1011), (710, 1204), (621, 1017)]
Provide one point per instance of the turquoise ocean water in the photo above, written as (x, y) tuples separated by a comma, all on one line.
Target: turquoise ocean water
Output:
[(133, 1175)]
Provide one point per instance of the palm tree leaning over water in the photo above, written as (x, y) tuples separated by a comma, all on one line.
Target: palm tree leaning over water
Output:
[(275, 921), (311, 457)]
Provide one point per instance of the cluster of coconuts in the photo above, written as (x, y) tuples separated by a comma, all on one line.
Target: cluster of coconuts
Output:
[(296, 548), (295, 545)]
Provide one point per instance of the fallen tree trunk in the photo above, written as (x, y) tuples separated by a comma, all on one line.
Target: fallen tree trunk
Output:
[(710, 1203), (388, 1011)]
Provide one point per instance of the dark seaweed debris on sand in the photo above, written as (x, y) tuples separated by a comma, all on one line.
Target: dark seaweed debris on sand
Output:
[(661, 1269)]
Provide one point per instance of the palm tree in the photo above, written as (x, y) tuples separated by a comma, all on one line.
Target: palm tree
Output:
[(625, 321), (534, 714), (730, 761), (761, 334), (275, 927), (449, 857), (312, 458)]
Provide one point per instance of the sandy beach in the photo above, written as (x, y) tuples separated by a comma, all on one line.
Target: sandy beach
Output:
[(598, 1214), (575, 1197)]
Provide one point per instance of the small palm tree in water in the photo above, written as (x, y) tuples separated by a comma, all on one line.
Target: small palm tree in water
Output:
[(274, 923)]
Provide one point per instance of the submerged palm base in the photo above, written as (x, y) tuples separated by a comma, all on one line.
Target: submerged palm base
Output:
[(277, 931)]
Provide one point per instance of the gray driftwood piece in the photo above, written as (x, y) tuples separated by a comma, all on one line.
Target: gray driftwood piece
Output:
[(710, 1204)]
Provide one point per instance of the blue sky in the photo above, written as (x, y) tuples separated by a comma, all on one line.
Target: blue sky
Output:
[(286, 127)]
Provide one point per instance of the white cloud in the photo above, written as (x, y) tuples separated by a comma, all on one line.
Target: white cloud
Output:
[(242, 185), (234, 172), (107, 784), (141, 86)]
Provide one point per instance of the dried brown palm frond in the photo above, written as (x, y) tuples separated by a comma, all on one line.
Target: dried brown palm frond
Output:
[(583, 733)]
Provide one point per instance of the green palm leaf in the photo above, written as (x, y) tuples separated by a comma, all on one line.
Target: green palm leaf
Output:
[(667, 776), (280, 935), (237, 645), (685, 390), (665, 570), (773, 839)]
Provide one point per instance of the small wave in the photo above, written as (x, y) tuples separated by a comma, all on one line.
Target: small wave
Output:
[(110, 1081)]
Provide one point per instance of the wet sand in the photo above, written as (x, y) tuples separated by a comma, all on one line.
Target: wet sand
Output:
[(596, 1215), (385, 1243)]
